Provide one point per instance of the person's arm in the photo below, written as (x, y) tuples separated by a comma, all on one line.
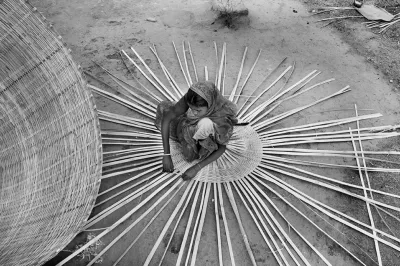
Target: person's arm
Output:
[(178, 109), (192, 171)]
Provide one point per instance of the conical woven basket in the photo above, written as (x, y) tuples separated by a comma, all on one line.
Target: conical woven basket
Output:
[(50, 146)]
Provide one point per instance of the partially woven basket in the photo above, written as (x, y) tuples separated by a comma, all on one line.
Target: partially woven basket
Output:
[(50, 146)]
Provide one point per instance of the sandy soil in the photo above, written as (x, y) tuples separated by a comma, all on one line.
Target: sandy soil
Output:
[(96, 30)]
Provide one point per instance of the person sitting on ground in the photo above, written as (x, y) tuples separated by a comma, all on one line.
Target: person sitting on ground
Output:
[(201, 121)]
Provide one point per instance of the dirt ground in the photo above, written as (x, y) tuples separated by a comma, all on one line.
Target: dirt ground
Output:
[(96, 30)]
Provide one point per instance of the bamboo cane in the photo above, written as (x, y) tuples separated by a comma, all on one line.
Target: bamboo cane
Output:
[(178, 185), (247, 77), (259, 85), (150, 222), (221, 66), (228, 237), (193, 63), (196, 224), (371, 219), (238, 76), (316, 204), (252, 210), (180, 64), (167, 95), (310, 221), (152, 74), (193, 185), (217, 225), (169, 77), (186, 64), (277, 229), (203, 215), (121, 220), (231, 198), (216, 63), (189, 222)]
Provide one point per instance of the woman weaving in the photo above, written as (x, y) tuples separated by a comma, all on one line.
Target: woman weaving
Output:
[(201, 121)]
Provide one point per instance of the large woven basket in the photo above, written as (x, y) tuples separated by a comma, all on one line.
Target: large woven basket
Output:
[(50, 147)]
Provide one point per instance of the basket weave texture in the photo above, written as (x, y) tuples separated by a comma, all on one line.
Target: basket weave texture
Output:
[(50, 146)]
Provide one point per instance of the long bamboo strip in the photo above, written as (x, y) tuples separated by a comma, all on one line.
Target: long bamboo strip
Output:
[(276, 228), (296, 110), (216, 63), (238, 76), (142, 173), (316, 204), (334, 188), (231, 198), (224, 75), (275, 97), (287, 79), (125, 190), (152, 74), (136, 122), (269, 101), (189, 222), (166, 226), (311, 140), (146, 90), (196, 224), (381, 129), (186, 63), (366, 172), (180, 64), (305, 151), (219, 244), (259, 85), (131, 133), (318, 125), (177, 186), (252, 210), (167, 95), (122, 202), (228, 236), (133, 165), (145, 123), (169, 77), (247, 77), (206, 73), (289, 138), (133, 153), (289, 224), (193, 185), (221, 67), (271, 151), (202, 219), (314, 224), (110, 155), (253, 117), (123, 84), (129, 171), (371, 218), (123, 102), (193, 63), (133, 157), (151, 221), (121, 220), (329, 165), (331, 179)]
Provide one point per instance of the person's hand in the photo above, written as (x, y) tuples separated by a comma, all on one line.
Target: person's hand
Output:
[(191, 172), (168, 165)]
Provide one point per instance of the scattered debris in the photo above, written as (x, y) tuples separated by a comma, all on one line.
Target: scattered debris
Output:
[(151, 19)]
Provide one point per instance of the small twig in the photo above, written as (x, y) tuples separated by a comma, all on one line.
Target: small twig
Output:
[(344, 17)]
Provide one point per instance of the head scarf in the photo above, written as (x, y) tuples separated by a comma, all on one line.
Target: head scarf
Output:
[(220, 110)]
